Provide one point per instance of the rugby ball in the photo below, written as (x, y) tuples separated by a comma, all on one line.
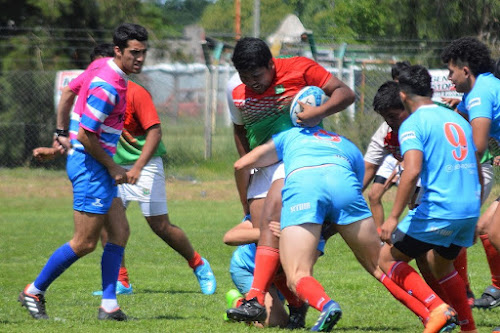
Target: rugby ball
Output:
[(310, 95)]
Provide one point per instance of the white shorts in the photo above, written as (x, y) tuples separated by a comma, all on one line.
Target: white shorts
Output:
[(388, 166), (262, 178), (149, 190)]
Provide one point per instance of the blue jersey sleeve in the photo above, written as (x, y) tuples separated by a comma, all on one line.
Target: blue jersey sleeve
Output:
[(480, 104), (410, 136)]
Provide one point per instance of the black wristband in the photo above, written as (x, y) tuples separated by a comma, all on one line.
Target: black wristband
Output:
[(61, 132)]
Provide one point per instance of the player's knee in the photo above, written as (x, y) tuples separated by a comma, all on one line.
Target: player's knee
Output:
[(374, 197), (82, 247)]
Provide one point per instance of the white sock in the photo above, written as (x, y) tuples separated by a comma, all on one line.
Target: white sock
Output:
[(34, 290), (109, 304)]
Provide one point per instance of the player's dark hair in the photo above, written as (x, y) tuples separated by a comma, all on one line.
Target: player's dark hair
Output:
[(470, 52), (415, 80), (387, 98), (129, 31), (103, 50), (398, 67), (496, 69), (251, 53)]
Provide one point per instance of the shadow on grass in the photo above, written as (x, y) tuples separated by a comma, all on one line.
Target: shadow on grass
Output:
[(161, 317), (152, 291), (371, 329)]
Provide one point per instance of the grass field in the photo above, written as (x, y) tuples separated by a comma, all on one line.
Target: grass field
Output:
[(36, 218)]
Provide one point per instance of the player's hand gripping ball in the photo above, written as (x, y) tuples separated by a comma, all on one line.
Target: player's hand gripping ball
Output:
[(310, 95)]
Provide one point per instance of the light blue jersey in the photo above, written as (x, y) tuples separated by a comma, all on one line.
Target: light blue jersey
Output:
[(312, 146), (449, 171), (484, 101), (324, 175)]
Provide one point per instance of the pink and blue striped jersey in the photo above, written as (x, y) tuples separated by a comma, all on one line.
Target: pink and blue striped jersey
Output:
[(100, 107)]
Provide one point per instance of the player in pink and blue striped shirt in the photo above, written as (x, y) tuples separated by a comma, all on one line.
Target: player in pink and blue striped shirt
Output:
[(95, 128)]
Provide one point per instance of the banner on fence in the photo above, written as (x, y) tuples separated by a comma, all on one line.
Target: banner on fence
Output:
[(442, 86), (63, 78)]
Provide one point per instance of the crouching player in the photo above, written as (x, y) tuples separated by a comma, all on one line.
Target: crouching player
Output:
[(437, 145)]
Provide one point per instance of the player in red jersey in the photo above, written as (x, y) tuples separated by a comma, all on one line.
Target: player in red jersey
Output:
[(261, 108)]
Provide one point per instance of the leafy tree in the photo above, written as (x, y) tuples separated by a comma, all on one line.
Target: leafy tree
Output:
[(218, 19)]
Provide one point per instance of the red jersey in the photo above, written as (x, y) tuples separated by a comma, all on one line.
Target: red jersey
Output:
[(391, 143), (140, 113), (271, 109)]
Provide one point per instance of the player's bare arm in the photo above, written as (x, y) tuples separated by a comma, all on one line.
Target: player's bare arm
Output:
[(260, 156), (341, 96), (370, 171), (91, 144), (153, 138), (63, 114), (480, 133), (242, 233), (413, 165), (242, 179)]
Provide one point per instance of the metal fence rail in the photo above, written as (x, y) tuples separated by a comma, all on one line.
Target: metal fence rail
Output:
[(27, 107)]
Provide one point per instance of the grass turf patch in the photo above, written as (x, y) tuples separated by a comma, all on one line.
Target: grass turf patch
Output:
[(36, 218)]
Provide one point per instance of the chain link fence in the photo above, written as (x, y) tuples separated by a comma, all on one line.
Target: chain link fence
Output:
[(190, 100)]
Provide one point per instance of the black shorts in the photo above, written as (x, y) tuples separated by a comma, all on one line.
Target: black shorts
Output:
[(379, 180), (414, 248)]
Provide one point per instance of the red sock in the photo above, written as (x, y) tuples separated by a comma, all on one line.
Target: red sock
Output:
[(431, 280), (493, 258), (312, 292), (406, 299), (292, 299), (123, 276), (195, 261), (460, 264), (267, 260), (408, 279), (454, 287)]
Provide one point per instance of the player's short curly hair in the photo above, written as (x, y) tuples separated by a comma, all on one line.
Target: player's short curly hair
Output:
[(496, 69), (398, 67), (470, 52), (251, 53), (416, 80), (387, 98)]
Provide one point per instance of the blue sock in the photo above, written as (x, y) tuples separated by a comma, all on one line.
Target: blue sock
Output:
[(110, 265), (60, 260)]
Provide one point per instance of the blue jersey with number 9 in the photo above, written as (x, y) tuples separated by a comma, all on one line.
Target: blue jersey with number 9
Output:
[(449, 172)]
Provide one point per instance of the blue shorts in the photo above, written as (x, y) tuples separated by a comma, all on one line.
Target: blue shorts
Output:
[(439, 232), (331, 193), (93, 187), (242, 266)]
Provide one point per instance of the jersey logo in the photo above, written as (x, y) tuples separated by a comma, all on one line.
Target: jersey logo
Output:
[(474, 102), (406, 136), (456, 137), (325, 135), (279, 89), (97, 203)]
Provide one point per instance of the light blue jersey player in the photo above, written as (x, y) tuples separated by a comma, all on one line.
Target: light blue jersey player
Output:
[(448, 169), (483, 101), (324, 175), (437, 146), (333, 164)]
